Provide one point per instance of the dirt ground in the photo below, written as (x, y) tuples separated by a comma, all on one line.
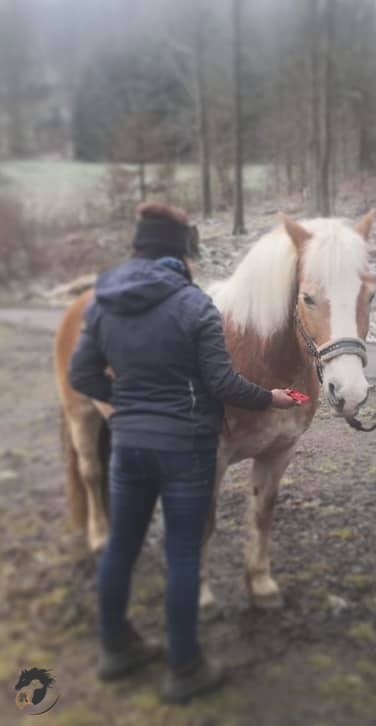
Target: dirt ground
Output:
[(310, 664)]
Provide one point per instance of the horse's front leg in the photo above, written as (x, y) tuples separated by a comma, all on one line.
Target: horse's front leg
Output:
[(266, 475)]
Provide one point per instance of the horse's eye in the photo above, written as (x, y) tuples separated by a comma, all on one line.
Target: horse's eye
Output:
[(308, 299), (372, 297)]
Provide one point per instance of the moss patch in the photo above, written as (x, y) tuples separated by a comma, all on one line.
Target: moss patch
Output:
[(288, 481), (321, 661), (343, 534), (347, 690), (364, 632), (331, 510), (360, 582), (77, 716), (366, 668)]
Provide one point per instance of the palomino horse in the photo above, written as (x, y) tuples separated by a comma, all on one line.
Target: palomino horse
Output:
[(297, 305)]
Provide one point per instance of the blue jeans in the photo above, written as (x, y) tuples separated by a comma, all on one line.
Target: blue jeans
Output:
[(185, 481)]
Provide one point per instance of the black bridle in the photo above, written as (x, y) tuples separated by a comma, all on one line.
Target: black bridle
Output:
[(329, 351)]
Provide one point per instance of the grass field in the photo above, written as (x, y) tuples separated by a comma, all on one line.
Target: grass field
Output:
[(63, 192)]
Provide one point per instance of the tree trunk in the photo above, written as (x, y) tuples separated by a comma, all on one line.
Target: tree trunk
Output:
[(18, 147), (15, 64), (203, 123), (239, 225), (365, 101), (364, 135), (322, 88), (141, 168), (327, 103), (141, 172)]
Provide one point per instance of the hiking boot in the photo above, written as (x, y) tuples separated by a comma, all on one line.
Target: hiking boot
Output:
[(123, 655), (179, 686)]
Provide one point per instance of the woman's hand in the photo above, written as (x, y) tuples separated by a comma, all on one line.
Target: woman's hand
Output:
[(281, 399)]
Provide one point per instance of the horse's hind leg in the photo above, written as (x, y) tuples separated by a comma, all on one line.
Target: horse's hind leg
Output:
[(266, 475), (207, 598), (85, 430)]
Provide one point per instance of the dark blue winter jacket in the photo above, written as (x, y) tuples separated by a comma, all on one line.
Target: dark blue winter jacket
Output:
[(163, 338)]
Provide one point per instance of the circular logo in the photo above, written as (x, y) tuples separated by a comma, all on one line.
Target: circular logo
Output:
[(33, 687)]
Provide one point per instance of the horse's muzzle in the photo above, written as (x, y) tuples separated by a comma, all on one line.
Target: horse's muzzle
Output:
[(339, 404)]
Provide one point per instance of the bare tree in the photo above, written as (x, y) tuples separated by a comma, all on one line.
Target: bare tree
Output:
[(15, 66), (135, 140), (361, 64), (237, 14), (322, 23), (202, 113), (190, 44)]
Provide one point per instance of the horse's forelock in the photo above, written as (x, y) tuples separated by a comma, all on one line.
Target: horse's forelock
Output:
[(334, 253)]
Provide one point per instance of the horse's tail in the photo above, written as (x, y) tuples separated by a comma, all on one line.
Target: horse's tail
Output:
[(75, 490)]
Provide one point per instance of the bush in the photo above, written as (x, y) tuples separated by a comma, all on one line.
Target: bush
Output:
[(20, 256), (120, 187)]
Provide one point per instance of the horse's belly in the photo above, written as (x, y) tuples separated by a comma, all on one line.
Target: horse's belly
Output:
[(274, 432)]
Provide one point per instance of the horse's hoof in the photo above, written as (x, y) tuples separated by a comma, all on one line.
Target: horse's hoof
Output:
[(264, 592), (97, 542), (207, 599)]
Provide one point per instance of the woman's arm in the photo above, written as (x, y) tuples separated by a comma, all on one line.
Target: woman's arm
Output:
[(87, 370), (218, 374)]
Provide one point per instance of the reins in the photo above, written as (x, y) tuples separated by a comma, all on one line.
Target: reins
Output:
[(329, 351), (358, 426)]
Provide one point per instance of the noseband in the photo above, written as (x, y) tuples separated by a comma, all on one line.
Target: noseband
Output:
[(333, 349)]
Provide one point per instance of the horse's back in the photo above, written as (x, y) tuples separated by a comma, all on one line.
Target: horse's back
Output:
[(66, 338)]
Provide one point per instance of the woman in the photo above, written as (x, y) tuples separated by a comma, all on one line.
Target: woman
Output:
[(163, 339)]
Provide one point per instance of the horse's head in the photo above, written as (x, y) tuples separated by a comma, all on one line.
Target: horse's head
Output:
[(24, 680), (335, 290)]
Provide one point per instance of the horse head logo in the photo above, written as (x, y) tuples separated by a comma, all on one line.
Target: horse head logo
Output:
[(41, 680)]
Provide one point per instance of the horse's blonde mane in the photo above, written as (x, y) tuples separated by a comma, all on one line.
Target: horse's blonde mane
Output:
[(259, 292)]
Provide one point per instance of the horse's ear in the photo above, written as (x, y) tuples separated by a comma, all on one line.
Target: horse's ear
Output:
[(298, 235), (365, 225)]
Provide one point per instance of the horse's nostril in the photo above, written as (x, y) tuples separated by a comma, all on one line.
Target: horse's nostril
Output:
[(332, 390), (338, 401)]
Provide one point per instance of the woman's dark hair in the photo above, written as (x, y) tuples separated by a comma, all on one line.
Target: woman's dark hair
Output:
[(163, 231), (160, 210)]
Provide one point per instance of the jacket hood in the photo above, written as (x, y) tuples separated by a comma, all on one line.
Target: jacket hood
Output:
[(139, 284)]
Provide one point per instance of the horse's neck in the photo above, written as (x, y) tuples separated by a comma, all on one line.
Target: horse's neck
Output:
[(39, 694), (277, 362), (36, 677), (40, 685)]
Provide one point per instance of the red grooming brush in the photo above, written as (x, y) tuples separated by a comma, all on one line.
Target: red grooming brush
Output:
[(297, 395)]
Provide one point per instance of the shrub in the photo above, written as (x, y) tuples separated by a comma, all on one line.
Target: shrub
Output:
[(20, 255)]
